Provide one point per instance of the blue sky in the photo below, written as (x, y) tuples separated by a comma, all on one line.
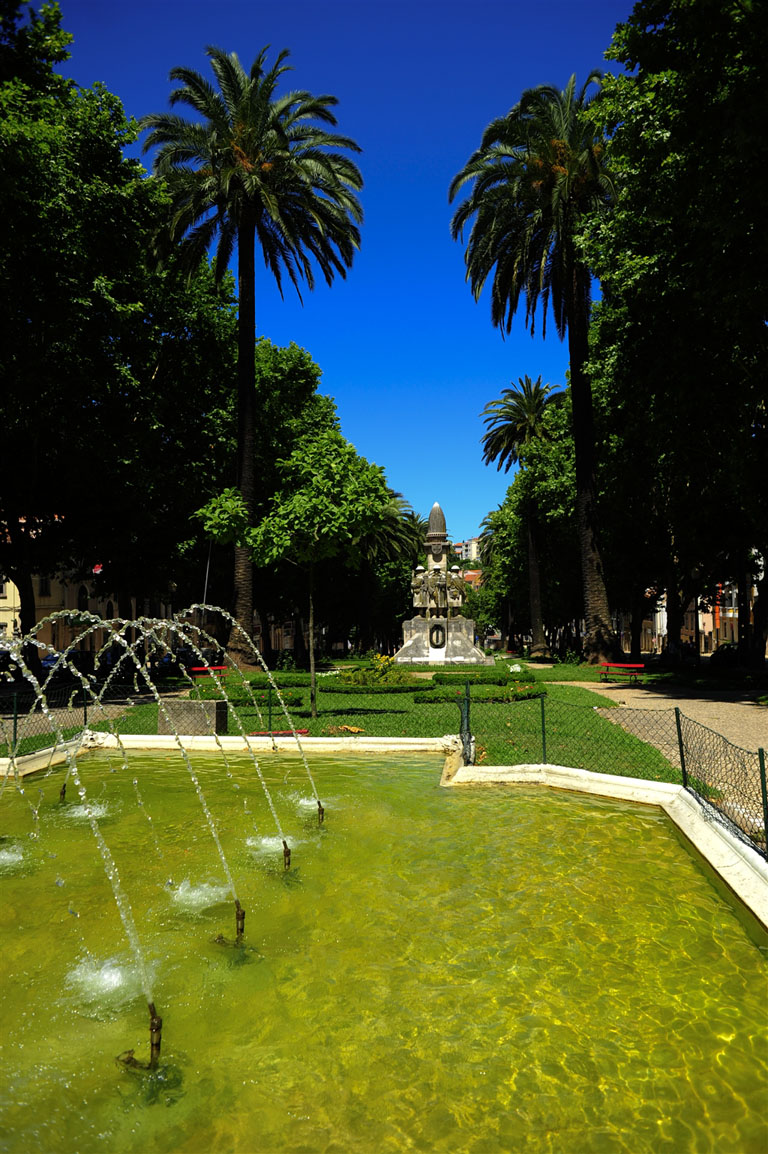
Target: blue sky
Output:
[(407, 354)]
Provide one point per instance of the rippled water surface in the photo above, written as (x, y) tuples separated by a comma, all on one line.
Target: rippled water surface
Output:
[(457, 970)]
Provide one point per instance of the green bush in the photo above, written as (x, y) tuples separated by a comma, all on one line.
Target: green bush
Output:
[(239, 695), (480, 695), (291, 680), (478, 677), (382, 671), (364, 690)]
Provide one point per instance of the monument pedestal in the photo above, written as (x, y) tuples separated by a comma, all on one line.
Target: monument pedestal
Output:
[(440, 641)]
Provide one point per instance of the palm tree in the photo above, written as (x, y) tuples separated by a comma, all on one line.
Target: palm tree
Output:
[(538, 172), (514, 422), (256, 167)]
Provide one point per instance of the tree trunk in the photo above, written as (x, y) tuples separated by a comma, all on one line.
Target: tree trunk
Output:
[(599, 640), (674, 619), (744, 637), (760, 626), (22, 579), (312, 674), (246, 432), (538, 641), (636, 626)]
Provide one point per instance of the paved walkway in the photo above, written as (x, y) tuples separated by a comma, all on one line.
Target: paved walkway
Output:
[(728, 712)]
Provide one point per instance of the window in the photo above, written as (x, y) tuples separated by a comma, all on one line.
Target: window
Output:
[(45, 586), (2, 586)]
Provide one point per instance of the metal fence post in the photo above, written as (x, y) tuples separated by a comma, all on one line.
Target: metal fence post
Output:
[(466, 732), (269, 708), (543, 732), (681, 747), (764, 792), (85, 709)]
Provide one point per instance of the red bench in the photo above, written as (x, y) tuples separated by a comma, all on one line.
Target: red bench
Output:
[(620, 670), (207, 670)]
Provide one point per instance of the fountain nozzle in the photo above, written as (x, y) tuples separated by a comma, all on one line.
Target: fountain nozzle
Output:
[(63, 792), (286, 855), (320, 813), (155, 1035), (239, 919)]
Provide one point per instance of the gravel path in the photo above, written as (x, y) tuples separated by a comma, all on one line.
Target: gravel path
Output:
[(730, 713)]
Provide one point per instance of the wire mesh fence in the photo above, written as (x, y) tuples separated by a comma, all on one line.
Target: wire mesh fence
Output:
[(729, 782), (30, 722)]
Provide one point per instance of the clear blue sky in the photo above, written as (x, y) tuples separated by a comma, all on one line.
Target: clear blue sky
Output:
[(407, 354)]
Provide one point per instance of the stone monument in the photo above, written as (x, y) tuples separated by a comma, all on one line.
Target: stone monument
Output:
[(438, 633)]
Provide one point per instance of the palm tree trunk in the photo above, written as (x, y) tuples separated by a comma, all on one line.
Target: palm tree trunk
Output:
[(599, 640), (538, 640), (312, 674), (246, 432)]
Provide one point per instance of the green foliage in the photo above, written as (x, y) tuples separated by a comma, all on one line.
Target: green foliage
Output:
[(252, 160), (239, 696), (125, 363), (363, 688), (679, 339), (478, 677), (328, 498), (516, 421), (382, 671), (287, 678), (547, 484), (31, 43), (480, 694), (225, 518)]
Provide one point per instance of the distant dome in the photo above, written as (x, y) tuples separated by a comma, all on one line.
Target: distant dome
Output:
[(436, 523)]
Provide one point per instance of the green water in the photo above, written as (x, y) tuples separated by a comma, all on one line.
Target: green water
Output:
[(475, 970)]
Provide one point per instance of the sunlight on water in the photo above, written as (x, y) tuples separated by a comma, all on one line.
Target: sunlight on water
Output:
[(98, 809), (11, 856), (199, 897), (482, 971)]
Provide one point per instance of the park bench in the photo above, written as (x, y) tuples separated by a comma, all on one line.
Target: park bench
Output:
[(619, 669), (197, 671)]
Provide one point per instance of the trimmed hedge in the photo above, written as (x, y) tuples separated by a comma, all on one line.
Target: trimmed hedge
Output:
[(240, 697), (282, 680), (363, 690), (482, 696), (478, 677)]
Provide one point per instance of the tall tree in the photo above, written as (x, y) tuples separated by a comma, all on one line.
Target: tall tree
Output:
[(679, 339), (102, 360), (514, 422), (254, 166), (538, 172), (329, 505)]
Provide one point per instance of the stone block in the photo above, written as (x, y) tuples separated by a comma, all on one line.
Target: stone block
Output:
[(192, 718)]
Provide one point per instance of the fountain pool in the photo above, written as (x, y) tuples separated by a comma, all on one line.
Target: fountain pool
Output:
[(486, 970)]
